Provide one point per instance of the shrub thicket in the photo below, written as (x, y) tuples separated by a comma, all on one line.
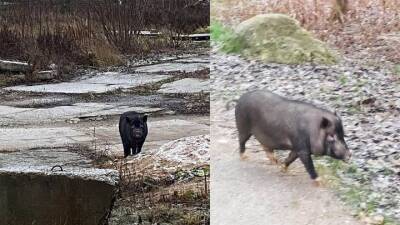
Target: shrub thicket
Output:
[(93, 32)]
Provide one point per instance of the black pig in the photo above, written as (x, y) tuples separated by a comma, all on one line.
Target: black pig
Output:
[(133, 131), (280, 123)]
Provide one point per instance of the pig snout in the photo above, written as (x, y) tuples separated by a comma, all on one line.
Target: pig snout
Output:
[(137, 133), (344, 153), (339, 150), (347, 156)]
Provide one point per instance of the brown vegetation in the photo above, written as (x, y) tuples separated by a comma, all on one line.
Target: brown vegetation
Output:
[(339, 9), (157, 195), (370, 29), (87, 32)]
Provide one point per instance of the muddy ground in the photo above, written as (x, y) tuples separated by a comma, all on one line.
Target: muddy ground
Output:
[(73, 123)]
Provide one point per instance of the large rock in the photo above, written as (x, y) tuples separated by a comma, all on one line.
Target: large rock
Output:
[(36, 196), (279, 38)]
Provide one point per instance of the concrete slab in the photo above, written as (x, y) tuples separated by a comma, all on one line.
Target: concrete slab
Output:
[(40, 102), (28, 138), (101, 83), (121, 109), (9, 110), (14, 66), (187, 85), (36, 196), (62, 113), (172, 66), (42, 159), (199, 59)]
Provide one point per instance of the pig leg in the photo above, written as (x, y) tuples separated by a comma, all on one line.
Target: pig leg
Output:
[(134, 148), (291, 158), (127, 149), (270, 155), (308, 163), (139, 147), (243, 138)]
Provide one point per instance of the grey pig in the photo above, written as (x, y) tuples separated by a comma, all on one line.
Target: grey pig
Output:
[(279, 123)]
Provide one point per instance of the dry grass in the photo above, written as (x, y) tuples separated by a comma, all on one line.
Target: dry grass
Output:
[(156, 194), (155, 190), (371, 29), (71, 33)]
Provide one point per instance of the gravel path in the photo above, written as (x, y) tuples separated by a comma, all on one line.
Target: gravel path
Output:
[(367, 99)]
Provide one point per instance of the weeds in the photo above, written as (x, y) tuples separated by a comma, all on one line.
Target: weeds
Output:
[(156, 196), (369, 27), (396, 71), (343, 79), (225, 37), (72, 33), (358, 196)]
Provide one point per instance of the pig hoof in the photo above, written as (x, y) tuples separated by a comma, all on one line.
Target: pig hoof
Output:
[(284, 168), (274, 161), (243, 157), (272, 158), (317, 182)]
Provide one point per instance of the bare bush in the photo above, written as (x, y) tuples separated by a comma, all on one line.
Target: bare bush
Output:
[(123, 21), (93, 32)]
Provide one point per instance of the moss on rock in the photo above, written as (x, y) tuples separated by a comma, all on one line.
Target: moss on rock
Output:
[(279, 38)]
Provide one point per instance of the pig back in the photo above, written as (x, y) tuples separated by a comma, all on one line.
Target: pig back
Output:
[(273, 120)]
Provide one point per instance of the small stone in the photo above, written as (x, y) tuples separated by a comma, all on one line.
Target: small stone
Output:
[(73, 120), (363, 205), (378, 219)]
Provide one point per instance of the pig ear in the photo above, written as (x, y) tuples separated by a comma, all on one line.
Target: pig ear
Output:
[(325, 123), (145, 118)]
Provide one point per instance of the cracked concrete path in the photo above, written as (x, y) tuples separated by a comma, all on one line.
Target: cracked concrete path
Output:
[(161, 130), (39, 137), (254, 192)]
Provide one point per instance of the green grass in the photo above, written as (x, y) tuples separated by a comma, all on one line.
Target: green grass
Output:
[(343, 80), (225, 37), (357, 196), (396, 70)]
